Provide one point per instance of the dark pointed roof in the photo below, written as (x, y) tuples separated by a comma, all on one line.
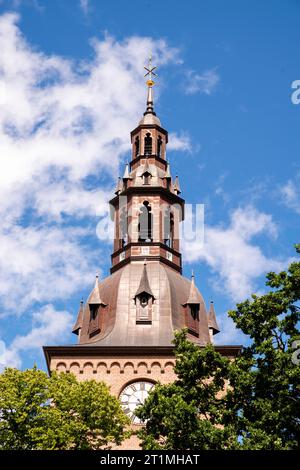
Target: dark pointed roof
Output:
[(78, 323), (194, 295), (119, 186), (126, 175), (144, 286), (212, 320), (176, 186), (95, 297), (168, 174), (171, 291), (146, 168), (150, 115)]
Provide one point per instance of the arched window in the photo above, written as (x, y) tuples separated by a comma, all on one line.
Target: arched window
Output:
[(169, 228), (148, 144), (145, 223), (159, 146), (137, 146), (123, 227)]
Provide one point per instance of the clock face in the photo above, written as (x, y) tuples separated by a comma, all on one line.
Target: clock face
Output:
[(133, 396)]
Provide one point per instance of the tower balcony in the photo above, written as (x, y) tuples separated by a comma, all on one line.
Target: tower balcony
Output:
[(138, 251)]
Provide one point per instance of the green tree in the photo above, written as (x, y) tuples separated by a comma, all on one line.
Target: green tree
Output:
[(22, 395), (38, 412), (260, 407), (264, 398), (188, 414)]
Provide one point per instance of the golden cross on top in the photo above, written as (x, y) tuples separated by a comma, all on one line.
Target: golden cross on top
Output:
[(150, 72)]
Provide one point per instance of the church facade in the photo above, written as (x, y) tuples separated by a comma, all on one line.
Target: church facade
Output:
[(126, 326)]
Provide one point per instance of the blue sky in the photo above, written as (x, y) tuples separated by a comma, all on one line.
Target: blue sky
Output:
[(72, 88)]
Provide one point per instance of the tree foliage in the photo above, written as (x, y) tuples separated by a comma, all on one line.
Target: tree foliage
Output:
[(249, 403), (38, 412), (265, 379), (188, 413)]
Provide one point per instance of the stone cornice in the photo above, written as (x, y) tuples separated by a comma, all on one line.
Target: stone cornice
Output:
[(160, 244), (149, 126), (130, 258), (94, 350), (142, 157), (150, 190)]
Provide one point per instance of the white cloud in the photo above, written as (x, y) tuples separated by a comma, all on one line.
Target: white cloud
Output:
[(229, 334), (48, 326), (42, 264), (8, 357), (61, 122), (290, 194), (71, 199), (84, 5), (179, 142), (232, 255), (220, 191), (201, 83), (73, 116)]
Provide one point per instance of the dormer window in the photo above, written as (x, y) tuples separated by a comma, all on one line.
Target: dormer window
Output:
[(97, 309), (194, 310), (94, 325), (148, 144), (144, 299), (144, 308), (146, 178), (193, 319)]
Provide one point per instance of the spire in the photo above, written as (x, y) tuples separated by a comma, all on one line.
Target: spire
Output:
[(119, 186), (168, 174), (144, 286), (194, 296), (146, 166), (176, 186), (78, 324), (150, 83), (150, 115), (212, 320), (150, 103), (95, 298), (126, 175)]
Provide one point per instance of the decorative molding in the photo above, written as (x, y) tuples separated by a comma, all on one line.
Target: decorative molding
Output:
[(110, 352), (162, 259)]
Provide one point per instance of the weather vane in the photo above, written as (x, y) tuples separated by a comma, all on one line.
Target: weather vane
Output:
[(150, 72)]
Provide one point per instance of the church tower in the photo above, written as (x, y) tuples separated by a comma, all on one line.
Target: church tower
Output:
[(126, 326)]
